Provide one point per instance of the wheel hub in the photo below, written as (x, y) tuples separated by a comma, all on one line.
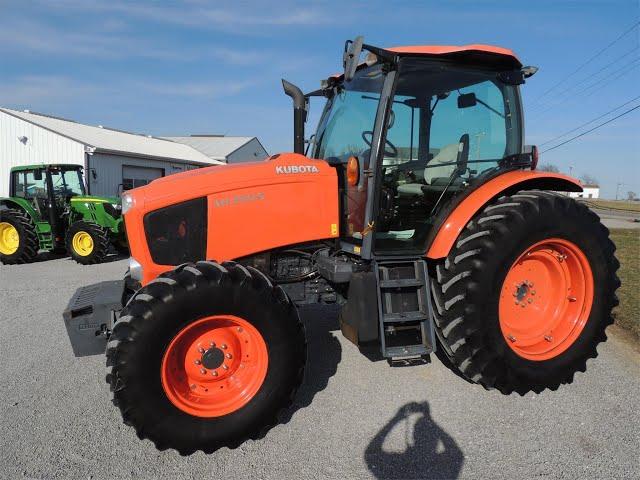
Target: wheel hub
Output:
[(82, 243), (212, 358), (9, 239), (546, 299)]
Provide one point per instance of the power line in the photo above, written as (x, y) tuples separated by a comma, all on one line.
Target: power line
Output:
[(624, 71), (592, 129), (600, 52), (589, 122), (586, 78)]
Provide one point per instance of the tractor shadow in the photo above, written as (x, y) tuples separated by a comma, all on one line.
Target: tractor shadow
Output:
[(323, 354), (422, 449)]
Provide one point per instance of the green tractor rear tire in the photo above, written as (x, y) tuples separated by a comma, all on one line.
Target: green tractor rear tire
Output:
[(18, 237), (87, 243)]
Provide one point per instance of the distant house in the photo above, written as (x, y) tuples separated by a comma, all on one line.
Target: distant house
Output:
[(589, 191), (113, 160)]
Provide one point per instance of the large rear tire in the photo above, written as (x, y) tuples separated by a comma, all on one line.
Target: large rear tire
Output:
[(87, 243), (18, 237), (525, 295), (206, 356)]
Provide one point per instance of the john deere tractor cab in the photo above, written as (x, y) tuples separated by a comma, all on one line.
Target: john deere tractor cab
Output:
[(48, 209), (417, 208)]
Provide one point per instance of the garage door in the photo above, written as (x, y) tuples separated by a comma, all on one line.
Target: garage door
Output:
[(133, 177)]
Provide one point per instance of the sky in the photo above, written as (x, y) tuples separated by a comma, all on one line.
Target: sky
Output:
[(196, 67)]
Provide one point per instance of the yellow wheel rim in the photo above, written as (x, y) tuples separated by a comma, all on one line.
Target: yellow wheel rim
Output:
[(9, 239), (82, 244)]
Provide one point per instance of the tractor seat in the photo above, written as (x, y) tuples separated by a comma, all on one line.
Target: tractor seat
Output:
[(433, 173)]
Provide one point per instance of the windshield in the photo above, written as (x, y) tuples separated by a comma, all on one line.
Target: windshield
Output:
[(347, 125), (67, 182)]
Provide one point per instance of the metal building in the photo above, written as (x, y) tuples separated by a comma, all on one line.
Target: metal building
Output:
[(225, 149), (113, 160)]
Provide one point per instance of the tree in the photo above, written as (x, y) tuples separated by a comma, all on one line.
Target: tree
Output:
[(589, 180), (548, 167), (631, 196)]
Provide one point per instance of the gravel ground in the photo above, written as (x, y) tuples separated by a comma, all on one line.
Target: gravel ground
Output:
[(353, 418)]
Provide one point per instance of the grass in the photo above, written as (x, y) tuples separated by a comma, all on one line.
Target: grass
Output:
[(614, 204), (627, 314)]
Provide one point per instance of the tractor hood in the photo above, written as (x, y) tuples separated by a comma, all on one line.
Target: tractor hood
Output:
[(231, 211)]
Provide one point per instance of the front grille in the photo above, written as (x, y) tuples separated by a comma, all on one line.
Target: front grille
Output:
[(178, 233)]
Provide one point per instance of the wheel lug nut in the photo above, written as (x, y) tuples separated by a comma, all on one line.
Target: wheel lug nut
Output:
[(517, 302), (239, 329), (200, 349), (213, 344), (192, 386), (225, 367), (214, 373), (203, 371), (223, 346), (530, 300), (197, 362), (533, 292), (523, 305), (228, 355)]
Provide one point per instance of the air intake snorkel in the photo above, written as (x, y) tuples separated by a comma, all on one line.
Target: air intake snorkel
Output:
[(299, 114)]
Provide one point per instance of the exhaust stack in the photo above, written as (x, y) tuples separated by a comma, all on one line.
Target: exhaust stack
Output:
[(299, 114)]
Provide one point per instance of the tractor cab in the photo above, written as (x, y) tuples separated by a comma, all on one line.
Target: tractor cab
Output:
[(409, 129), (47, 187)]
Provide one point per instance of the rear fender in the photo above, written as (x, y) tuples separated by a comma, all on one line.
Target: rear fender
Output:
[(17, 203), (462, 209)]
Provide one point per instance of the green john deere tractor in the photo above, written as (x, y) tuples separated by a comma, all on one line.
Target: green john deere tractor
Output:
[(48, 209)]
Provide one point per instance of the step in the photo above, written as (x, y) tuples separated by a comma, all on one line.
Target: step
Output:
[(401, 283), (404, 317), (406, 351)]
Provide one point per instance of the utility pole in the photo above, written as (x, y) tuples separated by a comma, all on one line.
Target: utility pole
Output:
[(618, 185), (570, 170)]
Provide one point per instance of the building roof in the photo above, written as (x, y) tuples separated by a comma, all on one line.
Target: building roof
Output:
[(217, 147), (108, 140)]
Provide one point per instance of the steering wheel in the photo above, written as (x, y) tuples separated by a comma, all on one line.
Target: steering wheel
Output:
[(393, 152)]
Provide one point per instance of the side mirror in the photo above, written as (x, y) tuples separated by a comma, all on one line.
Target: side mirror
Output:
[(467, 100)]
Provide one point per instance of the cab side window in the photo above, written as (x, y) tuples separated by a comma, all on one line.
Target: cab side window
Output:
[(34, 185)]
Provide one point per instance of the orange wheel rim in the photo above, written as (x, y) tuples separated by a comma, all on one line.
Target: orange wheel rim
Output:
[(214, 366), (546, 299)]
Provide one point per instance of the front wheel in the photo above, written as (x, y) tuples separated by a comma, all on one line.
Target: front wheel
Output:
[(206, 356), (87, 243), (525, 295)]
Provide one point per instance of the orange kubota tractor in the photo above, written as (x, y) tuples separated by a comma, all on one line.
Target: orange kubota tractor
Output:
[(417, 207)]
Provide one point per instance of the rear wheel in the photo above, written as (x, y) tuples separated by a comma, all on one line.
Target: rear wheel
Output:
[(206, 356), (525, 295), (87, 243), (18, 237)]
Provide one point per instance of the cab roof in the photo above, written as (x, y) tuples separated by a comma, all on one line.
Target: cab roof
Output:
[(36, 166), (473, 53)]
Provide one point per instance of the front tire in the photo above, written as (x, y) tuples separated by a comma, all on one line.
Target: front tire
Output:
[(87, 243), (18, 238), (185, 342), (524, 297)]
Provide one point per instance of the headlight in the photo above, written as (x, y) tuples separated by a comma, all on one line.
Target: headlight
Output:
[(135, 269), (128, 202)]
